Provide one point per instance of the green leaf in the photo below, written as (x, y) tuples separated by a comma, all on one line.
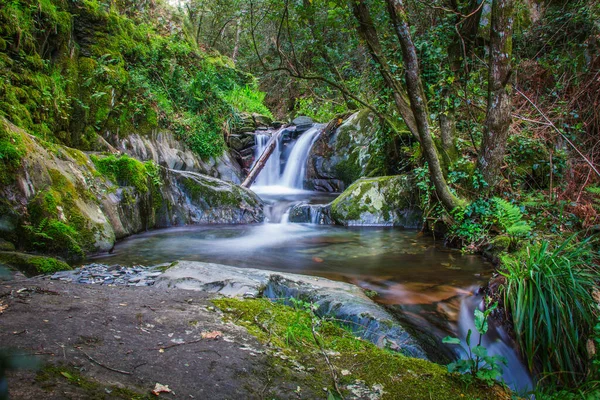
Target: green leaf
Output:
[(67, 375), (451, 340), (480, 351), (481, 323)]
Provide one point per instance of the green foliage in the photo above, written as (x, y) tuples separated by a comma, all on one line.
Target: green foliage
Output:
[(319, 110), (125, 171), (11, 152), (33, 265), (478, 364), (509, 217), (127, 76), (247, 99), (472, 224), (548, 293)]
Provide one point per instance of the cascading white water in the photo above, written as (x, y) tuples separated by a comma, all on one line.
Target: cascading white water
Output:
[(270, 183), (295, 168), (270, 173)]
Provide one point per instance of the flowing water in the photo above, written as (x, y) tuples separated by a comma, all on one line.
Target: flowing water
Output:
[(270, 173), (430, 288)]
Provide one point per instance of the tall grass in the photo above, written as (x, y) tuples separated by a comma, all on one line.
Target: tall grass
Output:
[(549, 295)]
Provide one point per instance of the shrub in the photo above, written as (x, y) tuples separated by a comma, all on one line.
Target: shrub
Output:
[(549, 295), (247, 99)]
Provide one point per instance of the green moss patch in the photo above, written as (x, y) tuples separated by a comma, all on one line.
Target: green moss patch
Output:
[(12, 151), (358, 365), (32, 264)]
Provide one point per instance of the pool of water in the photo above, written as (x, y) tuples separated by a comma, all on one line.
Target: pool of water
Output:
[(425, 284), (402, 266)]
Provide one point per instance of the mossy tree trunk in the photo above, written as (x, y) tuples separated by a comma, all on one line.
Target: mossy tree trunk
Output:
[(498, 118), (410, 101)]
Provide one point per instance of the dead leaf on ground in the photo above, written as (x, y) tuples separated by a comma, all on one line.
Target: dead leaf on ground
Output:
[(212, 335), (3, 307), (158, 389)]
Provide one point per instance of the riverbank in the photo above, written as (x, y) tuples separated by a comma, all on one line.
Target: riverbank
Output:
[(107, 341)]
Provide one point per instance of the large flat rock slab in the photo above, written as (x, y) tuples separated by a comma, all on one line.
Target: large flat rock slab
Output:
[(64, 326), (343, 301)]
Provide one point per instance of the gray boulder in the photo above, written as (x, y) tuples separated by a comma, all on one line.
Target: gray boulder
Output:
[(340, 300), (382, 201)]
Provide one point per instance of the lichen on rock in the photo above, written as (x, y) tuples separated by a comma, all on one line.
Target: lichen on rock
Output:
[(386, 201)]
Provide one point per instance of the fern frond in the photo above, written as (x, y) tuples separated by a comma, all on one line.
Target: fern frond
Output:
[(507, 213)]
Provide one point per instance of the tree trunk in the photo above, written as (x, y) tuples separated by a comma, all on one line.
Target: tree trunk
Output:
[(262, 159), (418, 103), (236, 48), (499, 106), (366, 30)]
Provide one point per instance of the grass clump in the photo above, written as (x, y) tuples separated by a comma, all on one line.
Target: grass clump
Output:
[(548, 292), (304, 339)]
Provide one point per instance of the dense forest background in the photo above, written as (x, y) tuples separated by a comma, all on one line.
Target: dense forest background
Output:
[(493, 107)]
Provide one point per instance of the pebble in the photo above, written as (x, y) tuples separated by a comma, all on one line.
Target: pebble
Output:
[(101, 274)]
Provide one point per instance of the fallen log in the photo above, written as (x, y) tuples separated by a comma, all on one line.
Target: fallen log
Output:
[(262, 160)]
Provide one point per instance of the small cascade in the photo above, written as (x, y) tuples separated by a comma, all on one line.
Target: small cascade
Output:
[(270, 173), (295, 169), (281, 191)]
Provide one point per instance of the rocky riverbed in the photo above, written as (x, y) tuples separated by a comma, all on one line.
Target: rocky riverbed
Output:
[(101, 274)]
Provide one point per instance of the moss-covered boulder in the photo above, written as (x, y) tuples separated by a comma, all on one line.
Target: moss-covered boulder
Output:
[(341, 156), (6, 245), (63, 201), (383, 201), (32, 264)]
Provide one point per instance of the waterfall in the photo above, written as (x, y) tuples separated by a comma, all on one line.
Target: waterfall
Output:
[(295, 168), (270, 173), (281, 191)]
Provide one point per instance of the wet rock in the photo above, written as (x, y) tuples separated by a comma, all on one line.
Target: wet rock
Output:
[(100, 274), (311, 213), (106, 211), (302, 123), (334, 299), (383, 201), (262, 121), (326, 185), (210, 200), (164, 149), (239, 142)]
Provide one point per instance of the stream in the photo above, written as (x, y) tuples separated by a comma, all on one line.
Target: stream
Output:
[(430, 288)]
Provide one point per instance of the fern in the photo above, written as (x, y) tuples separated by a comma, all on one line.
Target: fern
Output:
[(593, 189), (38, 237), (510, 218)]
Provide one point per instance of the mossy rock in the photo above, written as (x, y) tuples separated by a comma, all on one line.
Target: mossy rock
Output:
[(6, 245), (31, 264), (383, 201), (349, 152), (367, 371)]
